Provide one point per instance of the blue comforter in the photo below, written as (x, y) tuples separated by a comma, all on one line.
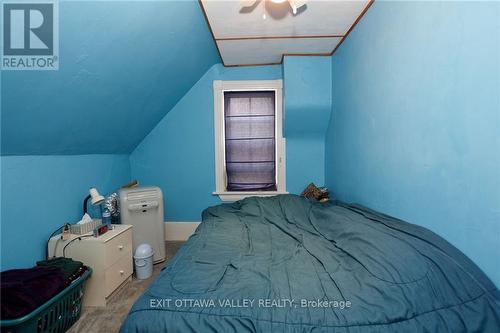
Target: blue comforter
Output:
[(287, 264)]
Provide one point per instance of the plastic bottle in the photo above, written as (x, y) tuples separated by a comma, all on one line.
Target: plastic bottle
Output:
[(106, 217)]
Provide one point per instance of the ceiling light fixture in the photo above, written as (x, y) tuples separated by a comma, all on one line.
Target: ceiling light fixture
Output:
[(295, 4)]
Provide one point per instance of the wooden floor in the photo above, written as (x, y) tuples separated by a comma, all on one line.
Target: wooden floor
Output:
[(110, 318)]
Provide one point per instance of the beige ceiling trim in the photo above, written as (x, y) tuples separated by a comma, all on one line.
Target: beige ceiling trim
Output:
[(283, 57), (211, 31), (343, 37), (255, 51), (280, 37), (354, 24)]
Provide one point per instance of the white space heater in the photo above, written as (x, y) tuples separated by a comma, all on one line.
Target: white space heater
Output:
[(142, 207)]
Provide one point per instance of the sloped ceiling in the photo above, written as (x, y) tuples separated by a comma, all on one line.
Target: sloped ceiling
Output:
[(123, 66)]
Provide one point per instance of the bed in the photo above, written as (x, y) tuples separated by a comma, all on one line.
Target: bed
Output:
[(288, 264)]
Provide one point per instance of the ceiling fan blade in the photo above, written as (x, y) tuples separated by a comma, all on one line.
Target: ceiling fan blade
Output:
[(247, 3), (296, 4)]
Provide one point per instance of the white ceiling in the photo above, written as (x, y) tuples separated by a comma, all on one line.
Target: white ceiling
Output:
[(263, 33), (268, 51)]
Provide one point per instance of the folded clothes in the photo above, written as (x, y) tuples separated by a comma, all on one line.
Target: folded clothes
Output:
[(72, 269), (24, 290)]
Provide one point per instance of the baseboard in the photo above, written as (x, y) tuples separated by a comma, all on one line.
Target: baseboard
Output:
[(179, 231)]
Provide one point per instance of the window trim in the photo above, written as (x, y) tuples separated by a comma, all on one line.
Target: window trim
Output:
[(219, 133)]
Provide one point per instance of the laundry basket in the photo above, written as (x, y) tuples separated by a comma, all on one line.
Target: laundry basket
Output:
[(56, 315)]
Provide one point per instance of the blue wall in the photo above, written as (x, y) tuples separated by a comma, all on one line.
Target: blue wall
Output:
[(40, 193), (414, 130), (178, 155), (415, 127), (123, 66), (308, 103)]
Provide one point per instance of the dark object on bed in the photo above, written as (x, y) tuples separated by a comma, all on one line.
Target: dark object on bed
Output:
[(313, 192), (397, 277)]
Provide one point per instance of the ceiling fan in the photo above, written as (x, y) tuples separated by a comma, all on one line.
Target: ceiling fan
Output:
[(294, 4)]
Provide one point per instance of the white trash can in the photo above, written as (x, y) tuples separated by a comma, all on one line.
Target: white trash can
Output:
[(143, 259)]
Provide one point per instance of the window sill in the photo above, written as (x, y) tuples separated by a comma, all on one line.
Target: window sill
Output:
[(235, 196)]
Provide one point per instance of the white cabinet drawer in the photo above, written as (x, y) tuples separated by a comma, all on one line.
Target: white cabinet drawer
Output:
[(109, 255), (116, 247), (118, 273)]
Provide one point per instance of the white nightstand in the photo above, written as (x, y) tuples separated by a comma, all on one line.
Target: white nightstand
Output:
[(109, 256)]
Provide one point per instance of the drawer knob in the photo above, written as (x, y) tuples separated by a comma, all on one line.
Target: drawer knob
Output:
[(120, 247), (122, 272)]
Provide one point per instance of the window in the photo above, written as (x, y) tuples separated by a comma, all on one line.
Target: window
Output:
[(249, 145)]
